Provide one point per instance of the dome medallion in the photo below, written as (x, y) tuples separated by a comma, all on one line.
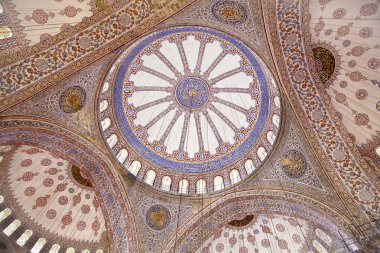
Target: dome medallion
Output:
[(189, 103), (192, 93)]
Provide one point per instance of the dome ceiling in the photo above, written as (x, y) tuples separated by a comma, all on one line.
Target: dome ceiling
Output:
[(190, 101), (25, 23), (187, 110), (268, 233), (347, 58), (52, 198)]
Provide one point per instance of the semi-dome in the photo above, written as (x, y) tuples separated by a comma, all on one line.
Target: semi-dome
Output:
[(189, 109)]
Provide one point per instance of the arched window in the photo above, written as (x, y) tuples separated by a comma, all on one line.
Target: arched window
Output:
[(277, 102), (70, 250), (85, 251), (150, 176), (378, 151), (249, 166), (105, 123), (218, 183), (55, 248), (112, 140), (135, 167), (99, 251), (324, 237), (166, 182), (38, 245), (105, 87), (1, 199), (276, 120), (183, 186), (262, 153), (234, 176), (24, 237), (103, 105), (122, 155), (201, 186), (271, 137), (5, 213), (12, 227), (319, 247)]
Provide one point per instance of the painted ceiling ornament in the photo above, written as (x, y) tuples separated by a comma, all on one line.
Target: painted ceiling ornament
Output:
[(70, 11), (40, 16), (318, 27), (229, 12), (373, 63), (45, 36), (192, 93), (369, 9), (158, 217), (344, 30), (189, 100), (72, 99), (366, 32), (293, 164), (327, 62), (339, 13)]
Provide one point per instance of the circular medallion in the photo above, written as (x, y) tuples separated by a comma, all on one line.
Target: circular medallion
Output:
[(72, 99), (192, 93), (293, 164), (324, 62), (229, 12), (26, 163), (51, 214), (188, 100), (158, 217), (29, 191)]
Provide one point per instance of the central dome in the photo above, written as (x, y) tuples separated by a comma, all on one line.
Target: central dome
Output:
[(190, 100)]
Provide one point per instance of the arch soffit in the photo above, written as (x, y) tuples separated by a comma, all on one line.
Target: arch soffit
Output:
[(256, 202), (294, 75), (114, 203), (305, 27)]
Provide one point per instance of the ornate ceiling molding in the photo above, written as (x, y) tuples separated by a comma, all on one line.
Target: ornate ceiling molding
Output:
[(119, 219), (46, 64), (291, 47)]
